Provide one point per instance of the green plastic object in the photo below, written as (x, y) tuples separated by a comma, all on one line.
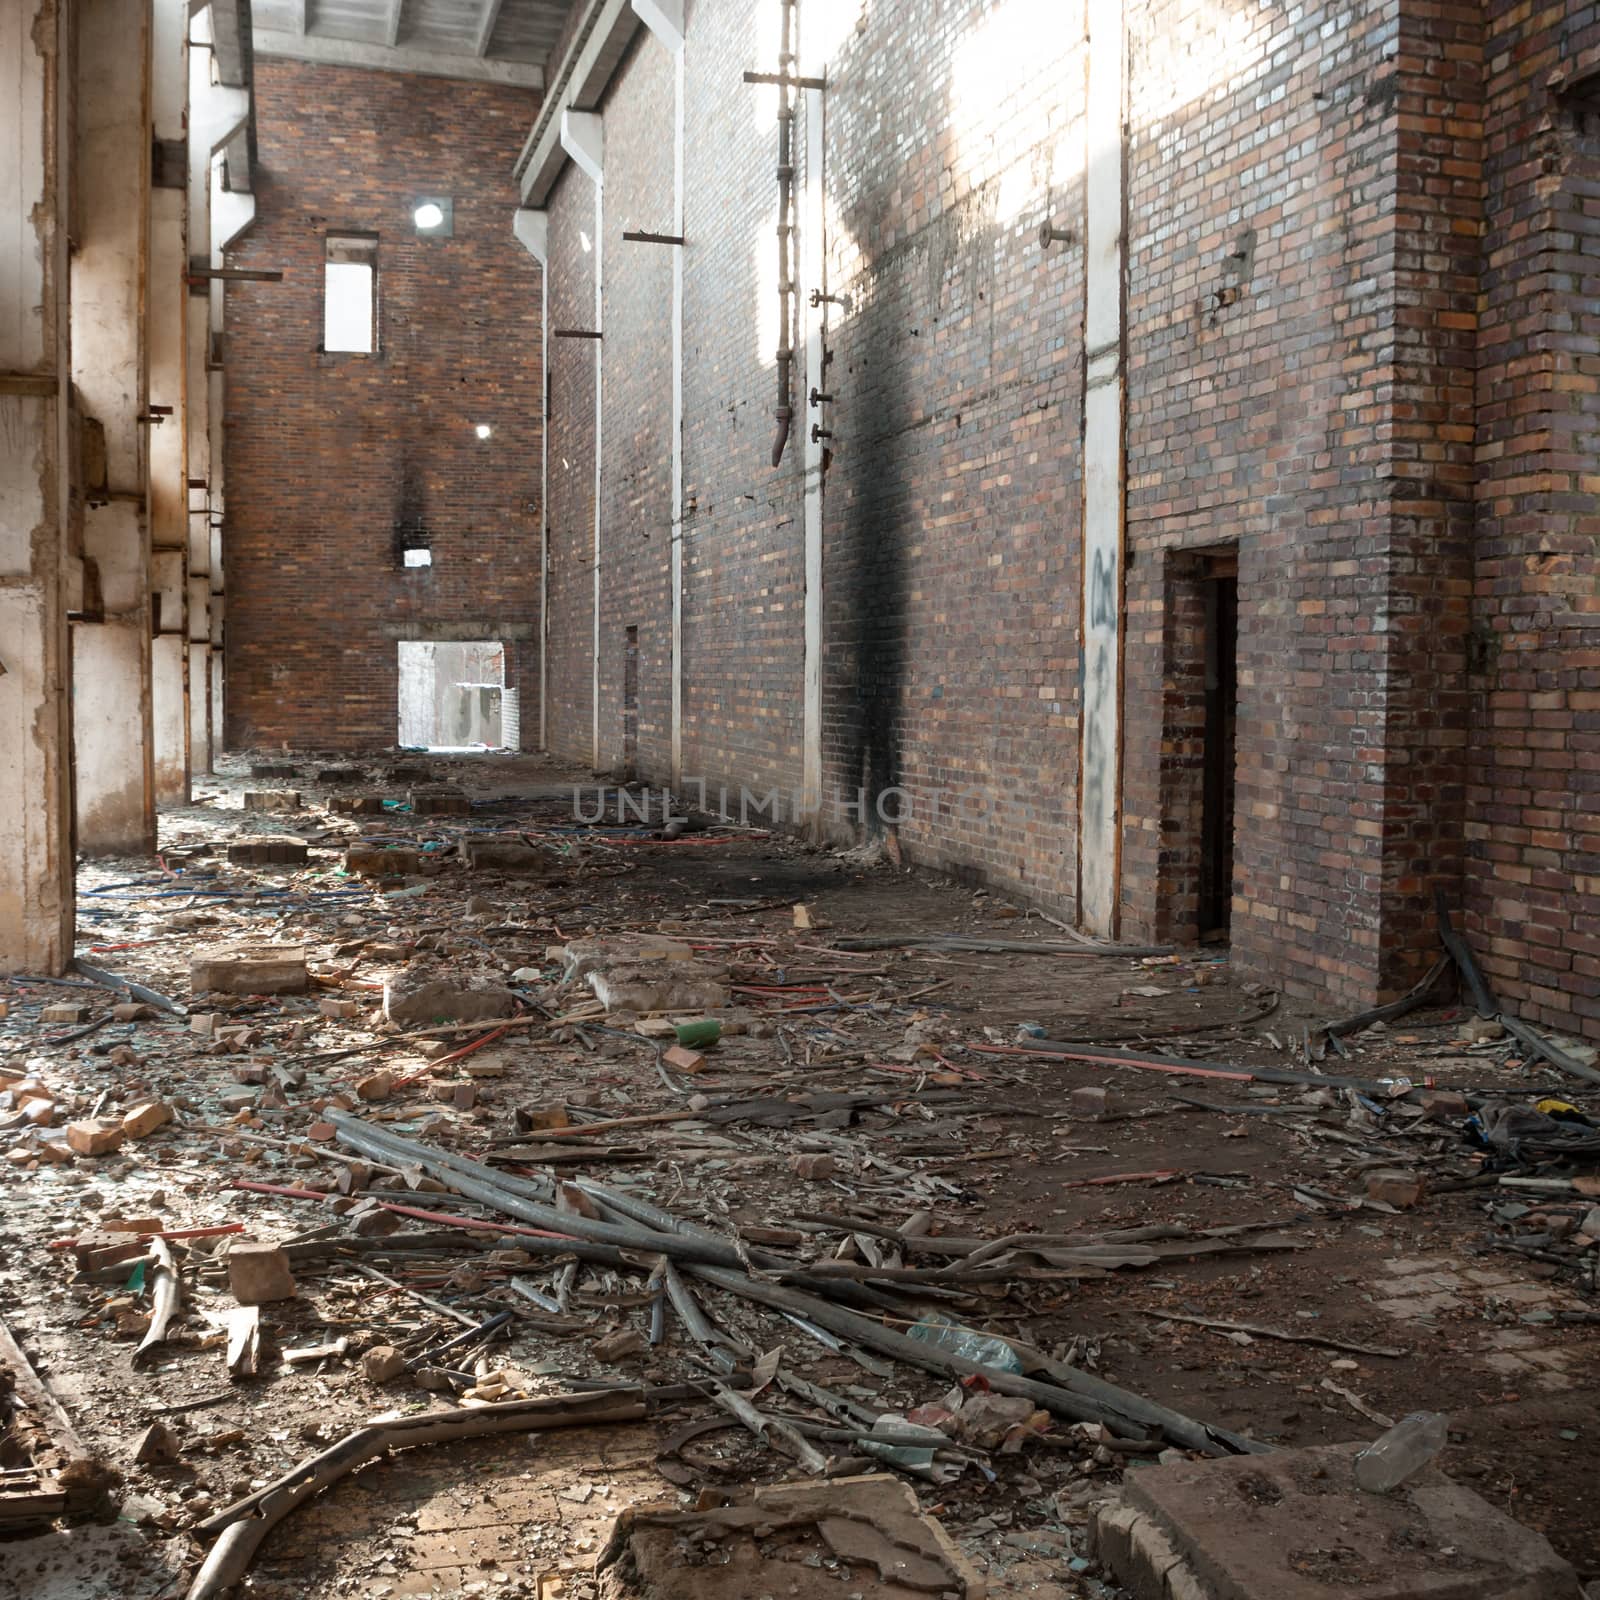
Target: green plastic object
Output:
[(696, 1035)]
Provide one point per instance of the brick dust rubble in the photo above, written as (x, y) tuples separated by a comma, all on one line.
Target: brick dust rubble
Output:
[(235, 1236)]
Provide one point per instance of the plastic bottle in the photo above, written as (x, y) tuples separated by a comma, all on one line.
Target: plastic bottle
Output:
[(1402, 1452), (967, 1343)]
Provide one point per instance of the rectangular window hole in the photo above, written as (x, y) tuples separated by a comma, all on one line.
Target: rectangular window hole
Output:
[(350, 299)]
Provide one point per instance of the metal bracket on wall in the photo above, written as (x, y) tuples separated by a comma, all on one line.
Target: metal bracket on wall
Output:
[(640, 237), (785, 80), (574, 333)]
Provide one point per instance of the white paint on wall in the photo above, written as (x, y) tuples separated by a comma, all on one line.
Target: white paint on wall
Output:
[(1105, 257)]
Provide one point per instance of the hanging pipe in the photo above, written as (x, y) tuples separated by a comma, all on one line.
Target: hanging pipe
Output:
[(784, 412)]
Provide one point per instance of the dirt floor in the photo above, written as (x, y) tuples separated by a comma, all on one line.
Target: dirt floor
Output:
[(1364, 1299)]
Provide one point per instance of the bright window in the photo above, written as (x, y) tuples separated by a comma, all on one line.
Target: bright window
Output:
[(349, 294)]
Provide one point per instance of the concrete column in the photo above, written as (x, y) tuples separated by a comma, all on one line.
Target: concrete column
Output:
[(583, 138), (1104, 500), (813, 217), (665, 20), (111, 644), (169, 494), (36, 890), (533, 229), (217, 215)]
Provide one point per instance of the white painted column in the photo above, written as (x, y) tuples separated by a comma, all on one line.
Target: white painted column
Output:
[(111, 644), (533, 229), (36, 866), (169, 495), (583, 138), (665, 20), (813, 276), (1105, 268)]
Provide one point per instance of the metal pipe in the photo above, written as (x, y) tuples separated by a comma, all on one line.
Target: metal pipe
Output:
[(783, 413)]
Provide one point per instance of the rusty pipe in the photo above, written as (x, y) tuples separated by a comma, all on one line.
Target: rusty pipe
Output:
[(783, 412)]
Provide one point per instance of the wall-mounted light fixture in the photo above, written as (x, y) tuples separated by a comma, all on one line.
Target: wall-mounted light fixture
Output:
[(434, 217)]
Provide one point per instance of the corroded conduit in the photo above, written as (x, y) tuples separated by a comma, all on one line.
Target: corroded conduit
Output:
[(784, 412)]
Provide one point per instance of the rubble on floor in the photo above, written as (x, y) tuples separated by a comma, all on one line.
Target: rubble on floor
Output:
[(429, 1120)]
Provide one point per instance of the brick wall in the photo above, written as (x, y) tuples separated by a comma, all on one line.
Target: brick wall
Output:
[(1533, 826), (636, 491), (569, 642), (327, 453)]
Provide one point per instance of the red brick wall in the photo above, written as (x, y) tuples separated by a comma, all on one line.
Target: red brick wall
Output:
[(1300, 349), (1533, 827), (326, 453)]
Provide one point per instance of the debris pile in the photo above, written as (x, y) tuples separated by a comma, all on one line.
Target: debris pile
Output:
[(463, 1118)]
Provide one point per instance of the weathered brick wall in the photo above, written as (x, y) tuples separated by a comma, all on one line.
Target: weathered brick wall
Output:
[(1300, 345), (569, 645), (951, 551), (326, 453), (743, 602), (1358, 357), (636, 486), (1533, 829)]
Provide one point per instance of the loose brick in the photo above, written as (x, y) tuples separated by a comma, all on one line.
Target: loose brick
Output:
[(259, 1274), (95, 1137)]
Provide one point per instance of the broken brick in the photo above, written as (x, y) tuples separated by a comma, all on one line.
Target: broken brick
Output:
[(272, 800), (143, 1120), (95, 1137), (259, 1273), (1403, 1189)]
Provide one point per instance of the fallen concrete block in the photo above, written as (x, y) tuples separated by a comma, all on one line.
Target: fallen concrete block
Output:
[(340, 1010), (340, 775), (368, 861), (143, 1120), (133, 1011), (273, 769), (1093, 1101), (441, 802), (505, 855), (1292, 1525), (356, 804), (1396, 1188), (157, 1446), (660, 986), (424, 994), (1439, 1105), (382, 1364), (94, 1137), (259, 1273), (267, 852), (250, 969), (583, 956), (272, 800), (619, 1346), (813, 1169), (871, 1530), (204, 1023), (63, 1011)]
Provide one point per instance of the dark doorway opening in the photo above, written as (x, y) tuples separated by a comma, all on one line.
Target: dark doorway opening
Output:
[(1221, 588), (630, 705)]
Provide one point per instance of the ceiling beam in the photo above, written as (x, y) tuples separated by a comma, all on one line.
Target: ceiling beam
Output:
[(431, 63), (391, 26), (486, 21), (296, 10)]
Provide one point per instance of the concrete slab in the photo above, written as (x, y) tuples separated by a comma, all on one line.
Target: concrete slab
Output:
[(1293, 1526)]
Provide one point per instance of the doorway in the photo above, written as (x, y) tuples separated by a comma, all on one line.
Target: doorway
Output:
[(452, 695), (1199, 746), (1221, 707), (630, 705)]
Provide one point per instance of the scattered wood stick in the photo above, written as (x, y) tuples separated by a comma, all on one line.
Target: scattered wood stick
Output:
[(1274, 1333)]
